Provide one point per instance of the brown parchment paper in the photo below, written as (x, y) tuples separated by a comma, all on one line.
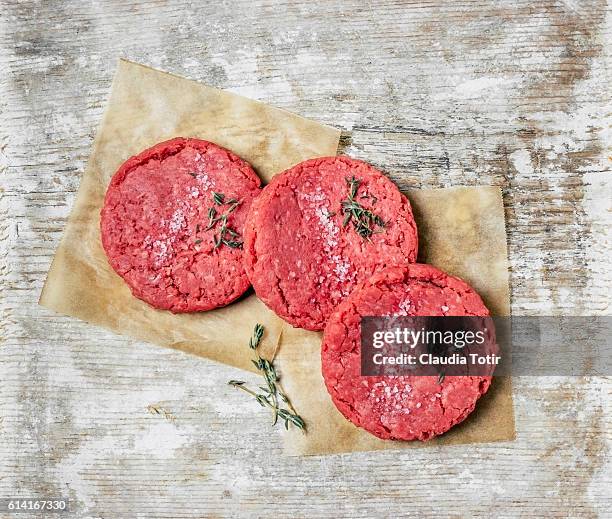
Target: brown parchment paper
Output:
[(461, 231), (147, 106)]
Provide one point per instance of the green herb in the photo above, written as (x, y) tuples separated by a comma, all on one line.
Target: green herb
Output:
[(218, 198), (194, 175), (365, 222), (255, 339), (227, 236), (198, 241), (232, 244), (441, 377), (271, 393)]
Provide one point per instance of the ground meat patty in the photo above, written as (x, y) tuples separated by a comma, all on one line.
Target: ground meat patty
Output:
[(399, 407), (304, 254), (155, 224)]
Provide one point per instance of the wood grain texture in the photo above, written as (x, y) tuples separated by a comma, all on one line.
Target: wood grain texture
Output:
[(435, 93)]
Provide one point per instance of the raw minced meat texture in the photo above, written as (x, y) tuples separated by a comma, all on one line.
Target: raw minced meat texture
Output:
[(302, 256), (399, 407), (154, 224)]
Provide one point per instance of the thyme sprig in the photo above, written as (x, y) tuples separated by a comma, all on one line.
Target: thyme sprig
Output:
[(227, 235), (365, 222), (271, 395)]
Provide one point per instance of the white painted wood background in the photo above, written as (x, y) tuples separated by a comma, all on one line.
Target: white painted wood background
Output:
[(436, 93)]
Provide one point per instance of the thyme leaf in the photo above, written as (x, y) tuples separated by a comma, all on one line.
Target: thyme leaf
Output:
[(227, 235), (365, 222), (258, 332), (232, 244), (271, 393)]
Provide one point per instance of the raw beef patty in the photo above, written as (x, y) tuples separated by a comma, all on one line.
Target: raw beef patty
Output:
[(399, 407), (172, 224), (318, 229)]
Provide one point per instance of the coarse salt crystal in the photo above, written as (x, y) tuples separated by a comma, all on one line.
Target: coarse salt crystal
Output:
[(404, 309), (330, 232), (176, 222), (204, 182)]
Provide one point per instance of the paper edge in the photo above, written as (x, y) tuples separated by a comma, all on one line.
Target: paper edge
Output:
[(42, 298), (230, 93)]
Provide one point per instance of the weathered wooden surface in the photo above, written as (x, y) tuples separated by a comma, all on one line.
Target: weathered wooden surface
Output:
[(436, 94)]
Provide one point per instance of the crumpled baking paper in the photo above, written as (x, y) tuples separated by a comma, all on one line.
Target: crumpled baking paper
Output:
[(461, 231), (147, 106)]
